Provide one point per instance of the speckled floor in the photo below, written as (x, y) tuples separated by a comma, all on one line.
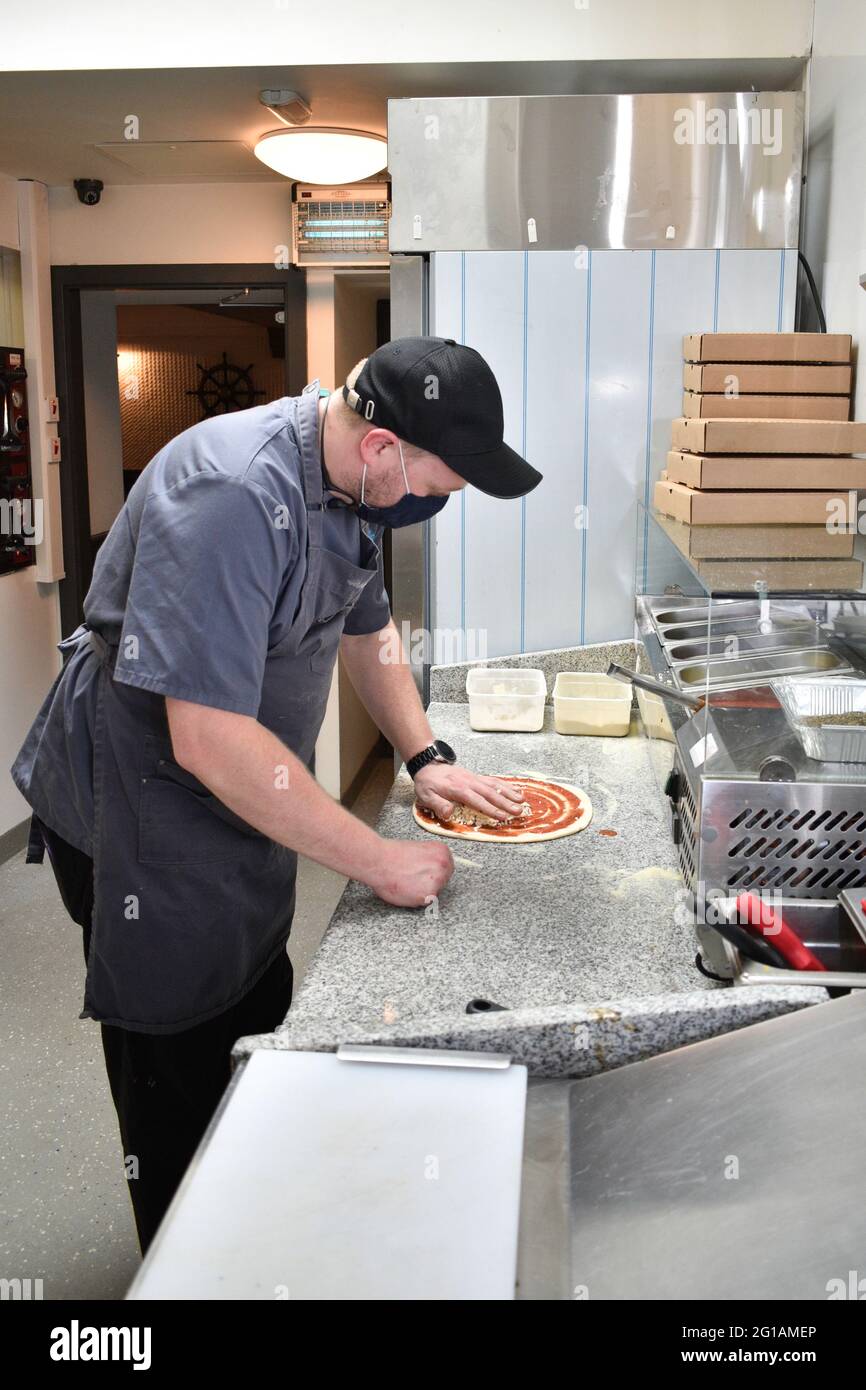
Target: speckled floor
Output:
[(65, 1216)]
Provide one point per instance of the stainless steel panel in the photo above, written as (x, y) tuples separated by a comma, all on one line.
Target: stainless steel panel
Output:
[(408, 291), (410, 545), (634, 172), (734, 830), (660, 1211), (543, 1241), (824, 927), (807, 839)]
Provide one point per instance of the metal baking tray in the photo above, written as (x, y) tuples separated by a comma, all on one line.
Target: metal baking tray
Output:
[(829, 743), (755, 670), (835, 935)]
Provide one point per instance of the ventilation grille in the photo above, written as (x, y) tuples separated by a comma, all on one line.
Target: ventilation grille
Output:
[(687, 847), (808, 853)]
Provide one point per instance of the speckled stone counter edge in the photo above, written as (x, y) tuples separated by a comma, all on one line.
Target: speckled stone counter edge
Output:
[(448, 683), (563, 1040)]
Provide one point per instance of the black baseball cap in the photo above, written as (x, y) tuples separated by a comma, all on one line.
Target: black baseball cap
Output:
[(443, 398)]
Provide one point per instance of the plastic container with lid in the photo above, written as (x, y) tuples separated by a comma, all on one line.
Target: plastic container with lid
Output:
[(506, 699), (585, 702)]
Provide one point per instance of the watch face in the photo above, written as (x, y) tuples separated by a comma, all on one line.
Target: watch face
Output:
[(445, 751)]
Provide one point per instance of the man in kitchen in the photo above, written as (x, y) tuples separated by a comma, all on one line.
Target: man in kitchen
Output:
[(168, 769)]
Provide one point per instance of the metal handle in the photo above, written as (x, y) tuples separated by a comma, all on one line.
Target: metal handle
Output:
[(622, 673), (422, 1056)]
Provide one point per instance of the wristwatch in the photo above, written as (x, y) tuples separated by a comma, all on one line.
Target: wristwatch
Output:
[(438, 752)]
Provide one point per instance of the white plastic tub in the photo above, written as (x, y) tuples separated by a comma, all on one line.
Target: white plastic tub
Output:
[(508, 699), (585, 702)]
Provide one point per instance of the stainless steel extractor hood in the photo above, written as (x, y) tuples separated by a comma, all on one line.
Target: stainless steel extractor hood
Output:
[(636, 172)]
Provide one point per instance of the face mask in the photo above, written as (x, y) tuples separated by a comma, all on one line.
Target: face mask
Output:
[(407, 512)]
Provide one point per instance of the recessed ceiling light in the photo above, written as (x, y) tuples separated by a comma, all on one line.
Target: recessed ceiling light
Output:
[(323, 154)]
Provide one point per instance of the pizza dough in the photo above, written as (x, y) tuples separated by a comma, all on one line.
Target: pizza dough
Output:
[(551, 810)]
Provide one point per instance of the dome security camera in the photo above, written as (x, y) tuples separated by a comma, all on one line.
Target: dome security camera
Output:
[(89, 191)]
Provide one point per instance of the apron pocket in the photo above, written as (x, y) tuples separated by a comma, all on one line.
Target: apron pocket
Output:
[(340, 584), (325, 638), (179, 820)]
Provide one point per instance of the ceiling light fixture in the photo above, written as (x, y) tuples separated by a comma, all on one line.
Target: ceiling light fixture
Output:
[(323, 154)]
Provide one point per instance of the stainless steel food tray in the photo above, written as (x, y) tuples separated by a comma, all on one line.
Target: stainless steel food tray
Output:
[(831, 743), (755, 670), (744, 643), (791, 629), (663, 612)]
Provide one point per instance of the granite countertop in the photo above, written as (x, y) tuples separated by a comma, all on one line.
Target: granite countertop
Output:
[(584, 941)]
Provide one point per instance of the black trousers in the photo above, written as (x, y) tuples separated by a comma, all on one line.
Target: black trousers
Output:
[(165, 1087)]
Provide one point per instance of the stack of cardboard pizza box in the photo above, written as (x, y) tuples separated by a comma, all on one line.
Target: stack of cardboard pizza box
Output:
[(762, 478)]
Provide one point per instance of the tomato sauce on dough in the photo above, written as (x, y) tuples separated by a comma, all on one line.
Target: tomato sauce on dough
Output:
[(551, 807)]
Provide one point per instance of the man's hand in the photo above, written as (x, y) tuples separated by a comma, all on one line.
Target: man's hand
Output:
[(236, 758), (439, 785), (409, 874)]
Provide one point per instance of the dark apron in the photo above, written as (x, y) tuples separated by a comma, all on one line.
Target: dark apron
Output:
[(192, 904)]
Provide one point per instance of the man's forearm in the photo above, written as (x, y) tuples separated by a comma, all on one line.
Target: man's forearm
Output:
[(376, 665), (257, 777)]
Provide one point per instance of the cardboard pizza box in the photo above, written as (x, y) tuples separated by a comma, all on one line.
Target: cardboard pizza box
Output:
[(750, 542), (767, 378), (765, 471), (699, 508), (720, 407), (739, 436), (767, 347)]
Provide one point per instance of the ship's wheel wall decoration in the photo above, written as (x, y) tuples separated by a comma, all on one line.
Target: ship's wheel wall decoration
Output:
[(224, 388)]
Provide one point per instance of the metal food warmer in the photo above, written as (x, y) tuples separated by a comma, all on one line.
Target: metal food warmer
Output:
[(751, 811)]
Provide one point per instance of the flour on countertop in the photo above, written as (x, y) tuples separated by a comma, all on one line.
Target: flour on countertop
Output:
[(642, 877)]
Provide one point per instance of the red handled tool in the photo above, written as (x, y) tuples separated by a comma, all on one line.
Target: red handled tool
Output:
[(764, 922)]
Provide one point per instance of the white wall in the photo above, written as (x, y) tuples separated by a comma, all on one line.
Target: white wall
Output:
[(96, 33), (171, 224), (834, 237), (102, 408), (29, 621), (589, 361)]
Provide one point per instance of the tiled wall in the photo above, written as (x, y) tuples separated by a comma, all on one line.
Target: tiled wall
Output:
[(587, 350)]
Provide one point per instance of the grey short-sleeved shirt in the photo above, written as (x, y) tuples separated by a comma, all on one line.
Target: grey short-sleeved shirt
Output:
[(196, 582), (209, 556)]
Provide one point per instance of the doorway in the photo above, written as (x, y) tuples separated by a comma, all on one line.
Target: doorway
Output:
[(143, 353)]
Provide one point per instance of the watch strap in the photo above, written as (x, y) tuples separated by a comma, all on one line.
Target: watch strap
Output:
[(427, 755)]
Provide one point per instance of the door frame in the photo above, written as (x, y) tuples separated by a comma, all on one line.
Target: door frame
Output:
[(67, 283)]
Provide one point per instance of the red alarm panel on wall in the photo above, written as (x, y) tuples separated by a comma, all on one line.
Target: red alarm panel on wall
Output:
[(19, 521)]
